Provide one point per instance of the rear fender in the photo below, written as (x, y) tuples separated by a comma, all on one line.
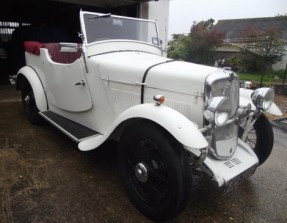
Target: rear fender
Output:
[(245, 99), (185, 131), (31, 76)]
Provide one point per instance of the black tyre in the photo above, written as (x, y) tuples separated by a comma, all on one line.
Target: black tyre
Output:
[(261, 138), (155, 171), (29, 104)]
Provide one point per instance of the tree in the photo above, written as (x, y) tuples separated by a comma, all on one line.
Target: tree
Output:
[(281, 16), (179, 47), (204, 39), (262, 47), (198, 45)]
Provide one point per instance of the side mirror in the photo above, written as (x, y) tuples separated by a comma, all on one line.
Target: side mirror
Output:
[(156, 41)]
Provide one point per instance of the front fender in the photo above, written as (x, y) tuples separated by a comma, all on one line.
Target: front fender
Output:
[(185, 131), (245, 99), (36, 85)]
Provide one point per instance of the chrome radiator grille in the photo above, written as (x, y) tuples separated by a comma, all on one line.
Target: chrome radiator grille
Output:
[(224, 138), (224, 141)]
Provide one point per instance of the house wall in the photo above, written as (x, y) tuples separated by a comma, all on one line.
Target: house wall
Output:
[(227, 52), (158, 11)]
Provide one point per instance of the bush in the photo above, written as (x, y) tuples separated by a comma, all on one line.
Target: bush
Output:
[(235, 64), (279, 73)]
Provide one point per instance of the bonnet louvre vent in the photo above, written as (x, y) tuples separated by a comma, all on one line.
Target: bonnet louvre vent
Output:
[(232, 163)]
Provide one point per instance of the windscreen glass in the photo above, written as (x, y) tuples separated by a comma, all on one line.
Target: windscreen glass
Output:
[(100, 27)]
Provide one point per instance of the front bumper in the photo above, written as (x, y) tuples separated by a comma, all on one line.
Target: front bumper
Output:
[(240, 166), (238, 179)]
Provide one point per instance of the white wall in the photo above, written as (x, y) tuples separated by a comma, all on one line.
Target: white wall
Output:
[(158, 11)]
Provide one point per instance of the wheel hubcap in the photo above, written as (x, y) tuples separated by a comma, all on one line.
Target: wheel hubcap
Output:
[(141, 173), (147, 172), (27, 99)]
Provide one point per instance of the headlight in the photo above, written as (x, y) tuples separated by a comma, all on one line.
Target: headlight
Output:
[(218, 110), (263, 98), (223, 84)]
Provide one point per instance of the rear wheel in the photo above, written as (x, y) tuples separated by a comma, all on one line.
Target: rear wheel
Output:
[(155, 171), (260, 138), (29, 104)]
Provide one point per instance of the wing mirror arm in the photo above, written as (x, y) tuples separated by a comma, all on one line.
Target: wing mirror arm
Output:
[(82, 36)]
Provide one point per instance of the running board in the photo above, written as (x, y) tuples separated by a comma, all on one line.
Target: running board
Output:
[(72, 129)]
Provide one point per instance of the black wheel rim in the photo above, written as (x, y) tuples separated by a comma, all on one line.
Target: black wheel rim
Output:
[(154, 189)]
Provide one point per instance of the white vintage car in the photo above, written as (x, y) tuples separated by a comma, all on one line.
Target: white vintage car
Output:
[(171, 118)]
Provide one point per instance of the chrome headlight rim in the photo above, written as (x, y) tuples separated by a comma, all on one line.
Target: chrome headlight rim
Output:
[(263, 98), (218, 110)]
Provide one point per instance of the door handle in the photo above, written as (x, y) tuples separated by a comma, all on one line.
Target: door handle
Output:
[(82, 82)]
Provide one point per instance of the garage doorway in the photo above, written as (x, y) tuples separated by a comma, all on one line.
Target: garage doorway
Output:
[(46, 21)]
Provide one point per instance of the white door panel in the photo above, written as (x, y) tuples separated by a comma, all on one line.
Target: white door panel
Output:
[(62, 89)]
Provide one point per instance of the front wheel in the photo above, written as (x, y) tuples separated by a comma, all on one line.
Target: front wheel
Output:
[(155, 171), (260, 138)]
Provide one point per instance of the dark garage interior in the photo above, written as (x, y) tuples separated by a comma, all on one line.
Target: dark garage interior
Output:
[(47, 21)]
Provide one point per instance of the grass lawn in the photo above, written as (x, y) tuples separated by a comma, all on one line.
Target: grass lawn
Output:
[(268, 79)]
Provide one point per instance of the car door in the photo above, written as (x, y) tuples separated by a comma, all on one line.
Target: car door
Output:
[(67, 88)]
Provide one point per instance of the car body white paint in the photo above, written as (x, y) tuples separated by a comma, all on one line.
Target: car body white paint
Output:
[(174, 122), (223, 173), (113, 72)]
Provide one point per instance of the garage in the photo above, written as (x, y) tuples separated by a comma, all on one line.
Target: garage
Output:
[(49, 21)]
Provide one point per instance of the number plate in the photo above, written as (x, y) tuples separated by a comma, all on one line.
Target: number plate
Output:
[(239, 179)]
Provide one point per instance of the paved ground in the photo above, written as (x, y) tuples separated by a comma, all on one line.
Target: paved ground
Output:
[(45, 178)]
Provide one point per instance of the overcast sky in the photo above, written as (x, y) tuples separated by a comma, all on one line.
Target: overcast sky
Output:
[(184, 12)]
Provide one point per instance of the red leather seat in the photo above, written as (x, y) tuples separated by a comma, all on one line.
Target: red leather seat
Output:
[(33, 47), (61, 57)]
